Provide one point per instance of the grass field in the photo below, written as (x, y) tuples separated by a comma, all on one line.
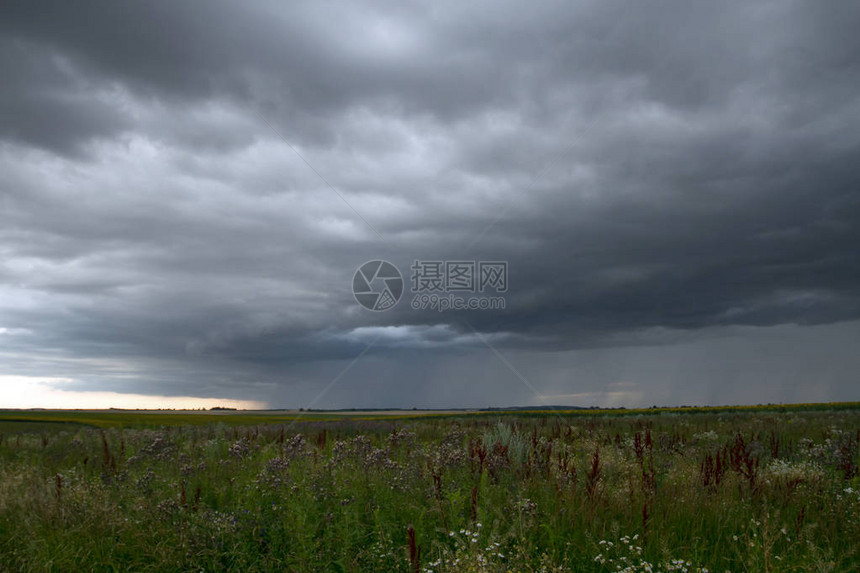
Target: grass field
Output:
[(770, 488)]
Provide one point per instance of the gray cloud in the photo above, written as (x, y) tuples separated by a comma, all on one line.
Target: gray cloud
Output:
[(653, 174)]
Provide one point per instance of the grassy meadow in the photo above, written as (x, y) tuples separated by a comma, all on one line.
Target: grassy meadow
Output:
[(772, 488)]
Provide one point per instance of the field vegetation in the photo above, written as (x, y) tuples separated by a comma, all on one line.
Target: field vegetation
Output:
[(736, 489)]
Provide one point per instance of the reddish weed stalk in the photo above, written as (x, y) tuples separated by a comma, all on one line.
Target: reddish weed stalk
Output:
[(744, 462), (58, 489), (712, 469), (592, 474), (414, 550), (107, 456)]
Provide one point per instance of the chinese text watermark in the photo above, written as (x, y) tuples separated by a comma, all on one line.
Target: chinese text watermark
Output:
[(435, 285)]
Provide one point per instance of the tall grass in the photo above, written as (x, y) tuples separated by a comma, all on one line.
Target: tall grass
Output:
[(731, 491)]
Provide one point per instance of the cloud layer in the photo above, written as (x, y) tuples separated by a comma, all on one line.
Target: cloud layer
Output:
[(657, 176)]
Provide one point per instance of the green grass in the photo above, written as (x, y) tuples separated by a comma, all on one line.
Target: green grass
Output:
[(483, 492)]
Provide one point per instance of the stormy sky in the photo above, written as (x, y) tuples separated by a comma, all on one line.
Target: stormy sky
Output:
[(188, 189)]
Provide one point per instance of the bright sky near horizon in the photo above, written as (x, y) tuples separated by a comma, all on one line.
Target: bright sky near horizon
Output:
[(40, 392)]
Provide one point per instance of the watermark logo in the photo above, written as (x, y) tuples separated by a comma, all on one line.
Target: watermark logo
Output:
[(377, 285), (436, 285)]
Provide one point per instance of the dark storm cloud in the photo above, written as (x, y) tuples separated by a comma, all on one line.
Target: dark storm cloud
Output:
[(43, 103), (653, 173)]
